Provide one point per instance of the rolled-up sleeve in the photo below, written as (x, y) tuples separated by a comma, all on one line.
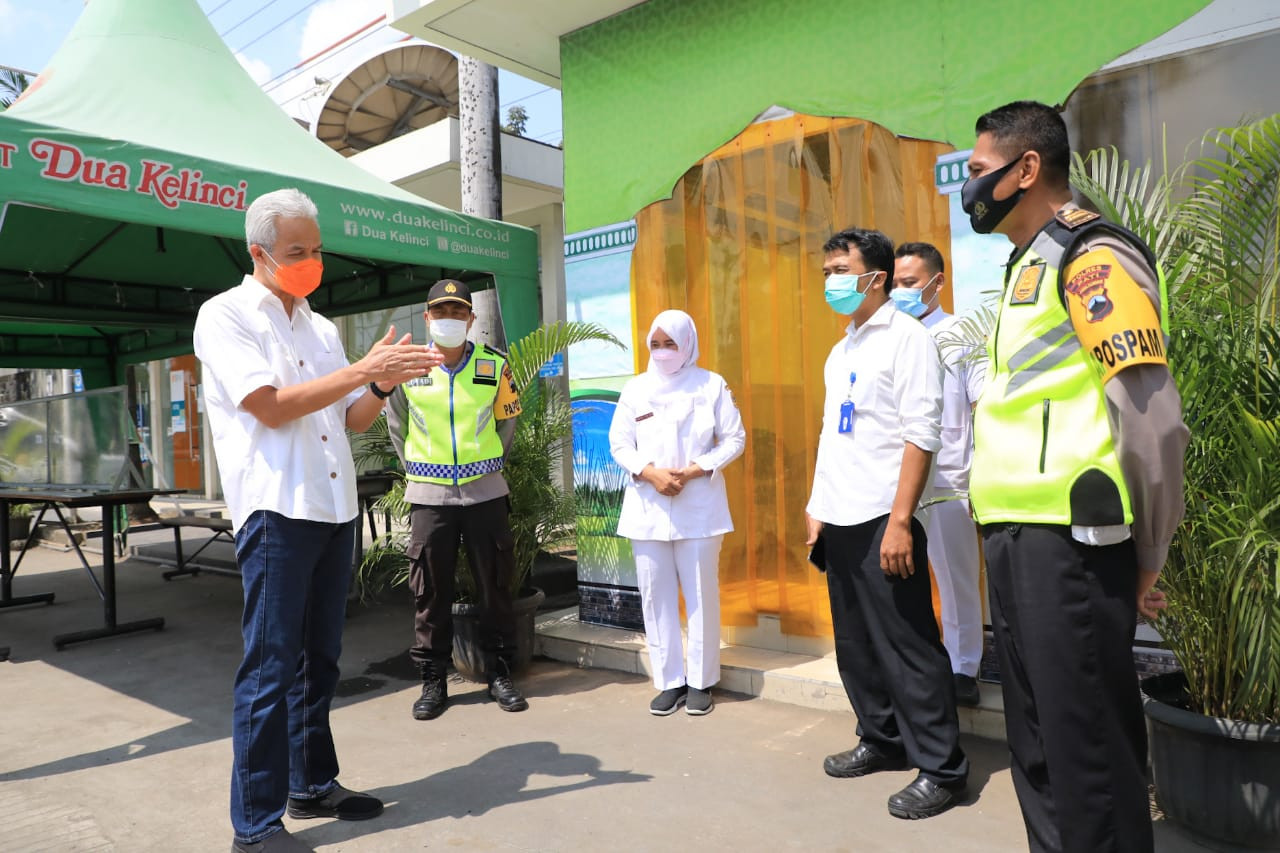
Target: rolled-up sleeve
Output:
[(731, 437), (231, 352), (917, 390), (622, 437)]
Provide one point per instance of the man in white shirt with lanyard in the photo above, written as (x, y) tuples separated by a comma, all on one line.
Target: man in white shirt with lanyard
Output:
[(881, 425), (280, 396), (919, 275)]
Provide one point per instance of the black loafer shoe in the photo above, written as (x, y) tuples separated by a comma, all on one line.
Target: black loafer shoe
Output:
[(967, 691), (860, 761), (339, 803), (923, 798)]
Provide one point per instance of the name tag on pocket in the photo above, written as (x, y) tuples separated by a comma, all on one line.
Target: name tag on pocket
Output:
[(644, 417)]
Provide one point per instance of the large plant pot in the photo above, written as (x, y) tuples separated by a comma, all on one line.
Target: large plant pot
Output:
[(468, 653), (19, 530), (1219, 778)]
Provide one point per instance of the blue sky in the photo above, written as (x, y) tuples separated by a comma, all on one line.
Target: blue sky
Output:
[(271, 37)]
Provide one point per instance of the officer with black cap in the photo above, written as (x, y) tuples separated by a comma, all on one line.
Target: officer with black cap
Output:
[(451, 430)]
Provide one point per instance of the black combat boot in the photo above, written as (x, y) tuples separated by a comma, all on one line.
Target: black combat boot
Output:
[(435, 691), (501, 688)]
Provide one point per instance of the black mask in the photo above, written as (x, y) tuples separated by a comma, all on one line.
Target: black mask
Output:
[(984, 209)]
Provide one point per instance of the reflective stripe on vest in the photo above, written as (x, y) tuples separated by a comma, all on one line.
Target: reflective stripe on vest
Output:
[(451, 437), (1043, 449)]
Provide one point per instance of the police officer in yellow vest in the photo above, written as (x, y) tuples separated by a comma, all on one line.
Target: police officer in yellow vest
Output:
[(1076, 481), (451, 430)]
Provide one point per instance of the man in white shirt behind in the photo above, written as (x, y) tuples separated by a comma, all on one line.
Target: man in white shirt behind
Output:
[(919, 275), (280, 395), (881, 425)]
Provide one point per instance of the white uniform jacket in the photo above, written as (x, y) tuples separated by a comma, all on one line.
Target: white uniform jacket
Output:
[(671, 423)]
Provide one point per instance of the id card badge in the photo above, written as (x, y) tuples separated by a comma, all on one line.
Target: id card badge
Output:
[(846, 416)]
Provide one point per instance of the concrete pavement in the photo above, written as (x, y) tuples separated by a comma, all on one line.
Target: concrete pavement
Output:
[(122, 744)]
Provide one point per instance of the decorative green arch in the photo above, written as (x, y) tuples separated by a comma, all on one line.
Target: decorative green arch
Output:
[(650, 91)]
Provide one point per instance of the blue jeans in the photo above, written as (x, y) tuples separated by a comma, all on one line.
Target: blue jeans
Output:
[(295, 575)]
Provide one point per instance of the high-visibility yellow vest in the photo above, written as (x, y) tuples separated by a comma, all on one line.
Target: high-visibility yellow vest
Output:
[(1043, 449), (451, 437)]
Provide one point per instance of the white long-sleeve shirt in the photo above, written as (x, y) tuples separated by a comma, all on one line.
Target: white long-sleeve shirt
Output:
[(890, 369), (671, 423), (962, 381)]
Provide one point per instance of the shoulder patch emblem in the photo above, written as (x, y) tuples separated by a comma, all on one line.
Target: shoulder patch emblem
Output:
[(1026, 290), (1076, 217), (1090, 287), (486, 368)]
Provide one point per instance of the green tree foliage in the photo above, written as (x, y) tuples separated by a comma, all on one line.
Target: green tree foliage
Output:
[(1214, 224), (12, 84), (517, 120)]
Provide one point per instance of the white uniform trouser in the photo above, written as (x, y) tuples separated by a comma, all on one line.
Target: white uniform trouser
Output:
[(953, 551), (663, 569)]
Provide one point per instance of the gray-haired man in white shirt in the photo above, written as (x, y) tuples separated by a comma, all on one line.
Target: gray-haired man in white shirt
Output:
[(280, 397), (881, 426)]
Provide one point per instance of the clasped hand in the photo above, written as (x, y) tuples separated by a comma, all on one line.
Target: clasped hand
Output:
[(390, 362), (670, 481)]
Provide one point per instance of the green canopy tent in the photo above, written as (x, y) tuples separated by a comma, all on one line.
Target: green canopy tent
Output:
[(125, 171)]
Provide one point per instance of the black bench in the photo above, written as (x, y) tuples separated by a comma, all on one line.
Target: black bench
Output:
[(221, 528)]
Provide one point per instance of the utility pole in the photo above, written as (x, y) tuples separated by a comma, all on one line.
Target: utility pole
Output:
[(481, 155)]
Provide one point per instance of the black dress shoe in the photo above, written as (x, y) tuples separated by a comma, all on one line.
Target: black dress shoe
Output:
[(967, 690), (860, 761), (504, 692), (281, 842), (924, 798), (340, 803)]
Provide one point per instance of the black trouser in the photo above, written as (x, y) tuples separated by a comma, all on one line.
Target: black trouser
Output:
[(433, 559), (893, 665), (1064, 615)]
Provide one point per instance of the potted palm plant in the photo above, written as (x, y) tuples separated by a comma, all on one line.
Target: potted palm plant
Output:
[(1214, 223), (542, 512), (19, 524)]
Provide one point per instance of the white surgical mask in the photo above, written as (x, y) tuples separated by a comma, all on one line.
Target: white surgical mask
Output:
[(668, 360), (448, 333)]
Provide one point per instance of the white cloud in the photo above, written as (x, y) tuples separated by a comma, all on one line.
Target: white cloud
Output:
[(329, 22), (335, 19), (258, 70)]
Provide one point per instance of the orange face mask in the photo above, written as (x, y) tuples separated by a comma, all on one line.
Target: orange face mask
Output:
[(299, 280)]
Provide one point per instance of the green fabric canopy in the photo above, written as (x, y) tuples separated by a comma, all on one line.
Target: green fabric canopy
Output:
[(652, 90), (124, 174)]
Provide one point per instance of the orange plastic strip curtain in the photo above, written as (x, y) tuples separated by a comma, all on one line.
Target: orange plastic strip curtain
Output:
[(739, 246)]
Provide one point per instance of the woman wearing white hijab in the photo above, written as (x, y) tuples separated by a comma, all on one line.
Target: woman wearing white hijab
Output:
[(676, 426)]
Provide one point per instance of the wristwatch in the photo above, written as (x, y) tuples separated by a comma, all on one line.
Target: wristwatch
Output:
[(378, 392)]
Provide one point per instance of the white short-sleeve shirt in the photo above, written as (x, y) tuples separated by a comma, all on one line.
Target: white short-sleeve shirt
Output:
[(302, 469), (890, 371)]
